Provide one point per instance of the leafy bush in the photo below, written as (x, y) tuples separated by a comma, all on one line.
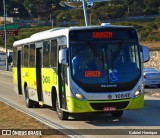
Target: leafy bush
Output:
[(157, 22)]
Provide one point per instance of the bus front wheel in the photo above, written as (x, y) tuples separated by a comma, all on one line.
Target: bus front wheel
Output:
[(62, 115), (117, 114), (29, 103)]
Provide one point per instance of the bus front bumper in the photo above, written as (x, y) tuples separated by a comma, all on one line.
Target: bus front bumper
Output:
[(84, 106)]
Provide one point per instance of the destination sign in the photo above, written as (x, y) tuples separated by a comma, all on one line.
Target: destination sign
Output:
[(102, 35), (92, 74)]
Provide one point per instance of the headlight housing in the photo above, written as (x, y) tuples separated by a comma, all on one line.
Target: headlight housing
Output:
[(77, 94), (139, 91)]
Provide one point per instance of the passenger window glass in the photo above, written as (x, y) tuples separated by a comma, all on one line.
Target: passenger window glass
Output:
[(53, 53), (26, 55), (14, 56), (32, 55), (46, 49)]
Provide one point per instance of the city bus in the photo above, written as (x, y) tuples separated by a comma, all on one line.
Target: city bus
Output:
[(77, 70)]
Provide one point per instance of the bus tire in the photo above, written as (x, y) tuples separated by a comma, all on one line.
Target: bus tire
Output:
[(117, 114), (62, 115), (29, 103), (54, 97)]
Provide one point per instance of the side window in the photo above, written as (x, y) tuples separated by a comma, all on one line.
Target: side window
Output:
[(46, 49), (22, 56), (32, 55), (25, 55), (14, 56), (135, 57), (53, 56)]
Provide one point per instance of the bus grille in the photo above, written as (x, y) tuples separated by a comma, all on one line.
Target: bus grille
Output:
[(118, 105)]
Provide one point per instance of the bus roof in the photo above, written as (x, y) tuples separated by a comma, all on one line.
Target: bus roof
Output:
[(61, 31)]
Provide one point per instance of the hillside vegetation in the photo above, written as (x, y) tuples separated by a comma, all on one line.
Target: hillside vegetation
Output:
[(149, 33), (27, 9), (120, 12)]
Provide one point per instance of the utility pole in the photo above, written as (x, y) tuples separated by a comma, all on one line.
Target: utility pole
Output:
[(85, 11), (85, 8), (5, 34)]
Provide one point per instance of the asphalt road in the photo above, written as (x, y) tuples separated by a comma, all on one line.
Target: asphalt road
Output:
[(147, 118)]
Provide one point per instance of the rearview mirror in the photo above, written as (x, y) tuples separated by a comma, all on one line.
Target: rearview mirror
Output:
[(63, 56), (146, 56)]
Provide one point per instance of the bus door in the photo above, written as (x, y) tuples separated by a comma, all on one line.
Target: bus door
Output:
[(19, 55), (62, 73), (38, 73)]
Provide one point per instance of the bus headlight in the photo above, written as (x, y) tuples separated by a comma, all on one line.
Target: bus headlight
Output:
[(77, 94), (137, 93)]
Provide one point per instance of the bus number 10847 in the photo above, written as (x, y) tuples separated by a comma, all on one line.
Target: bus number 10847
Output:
[(121, 96)]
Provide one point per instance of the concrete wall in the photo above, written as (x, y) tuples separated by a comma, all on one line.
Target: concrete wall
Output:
[(154, 60), (4, 50)]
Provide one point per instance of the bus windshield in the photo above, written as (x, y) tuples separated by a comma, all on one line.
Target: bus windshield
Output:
[(105, 63)]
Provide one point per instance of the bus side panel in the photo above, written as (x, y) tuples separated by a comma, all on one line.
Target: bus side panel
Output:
[(25, 78), (15, 81), (136, 103), (49, 80), (32, 84)]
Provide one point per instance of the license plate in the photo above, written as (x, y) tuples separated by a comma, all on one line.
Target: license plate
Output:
[(122, 95), (109, 109)]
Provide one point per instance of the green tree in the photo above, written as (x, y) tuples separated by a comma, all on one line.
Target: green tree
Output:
[(1, 41), (77, 14), (16, 9), (10, 41), (30, 6), (18, 1), (1, 9), (117, 2), (57, 3), (64, 16), (136, 7), (157, 22), (128, 4), (152, 5), (36, 8)]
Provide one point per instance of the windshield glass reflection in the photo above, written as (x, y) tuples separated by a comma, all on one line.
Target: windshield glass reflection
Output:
[(105, 63)]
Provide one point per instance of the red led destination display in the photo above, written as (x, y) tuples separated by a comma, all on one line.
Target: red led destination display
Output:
[(103, 34), (99, 35), (92, 74)]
